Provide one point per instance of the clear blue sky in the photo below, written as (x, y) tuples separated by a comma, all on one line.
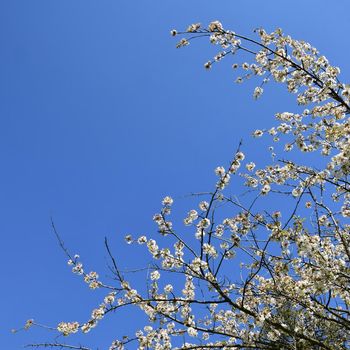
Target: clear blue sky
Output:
[(101, 117)]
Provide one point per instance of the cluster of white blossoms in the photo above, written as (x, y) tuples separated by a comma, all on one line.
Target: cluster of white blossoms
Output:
[(67, 328), (191, 217), (92, 280), (224, 175), (240, 275), (164, 226)]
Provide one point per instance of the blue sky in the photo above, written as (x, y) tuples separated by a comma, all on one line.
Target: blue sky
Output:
[(101, 117)]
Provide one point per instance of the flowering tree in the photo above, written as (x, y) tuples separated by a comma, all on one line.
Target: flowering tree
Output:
[(247, 277)]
